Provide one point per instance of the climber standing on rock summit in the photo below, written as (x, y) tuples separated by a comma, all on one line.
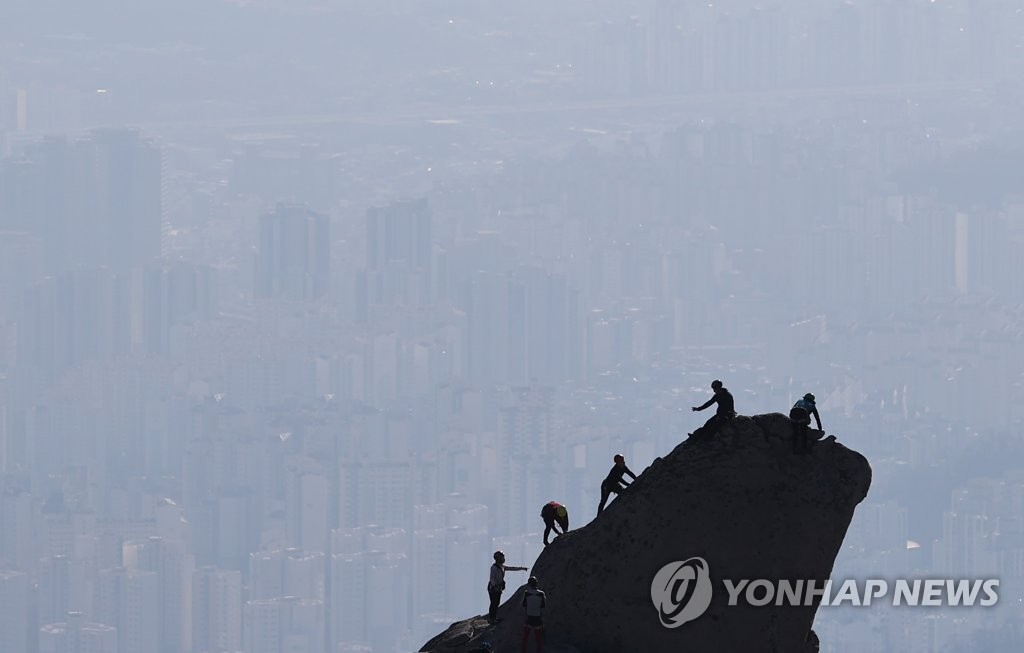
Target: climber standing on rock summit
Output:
[(725, 412), (496, 584), (800, 414), (614, 483)]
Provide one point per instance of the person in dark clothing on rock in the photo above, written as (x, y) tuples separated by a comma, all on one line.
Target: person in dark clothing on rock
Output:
[(726, 411), (614, 483), (800, 414), (496, 584), (555, 515), (534, 602)]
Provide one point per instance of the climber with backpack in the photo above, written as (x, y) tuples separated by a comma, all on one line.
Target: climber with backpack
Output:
[(800, 414), (554, 515), (534, 602)]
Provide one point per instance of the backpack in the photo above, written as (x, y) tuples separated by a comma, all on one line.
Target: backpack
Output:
[(534, 601), (804, 405)]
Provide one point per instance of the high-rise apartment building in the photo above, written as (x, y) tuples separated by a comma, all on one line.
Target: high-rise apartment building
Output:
[(16, 515), (387, 601), (399, 233), (66, 584), (286, 572), (216, 610), (308, 497), (399, 256), (14, 612), (284, 625), (370, 599), (128, 174), (525, 475), (73, 317), (172, 563), (293, 261), (20, 267), (347, 617), (129, 600), (375, 492), (95, 201), (76, 635), (445, 535), (172, 294)]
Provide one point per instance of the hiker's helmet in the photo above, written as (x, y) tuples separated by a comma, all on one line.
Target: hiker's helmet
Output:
[(619, 458)]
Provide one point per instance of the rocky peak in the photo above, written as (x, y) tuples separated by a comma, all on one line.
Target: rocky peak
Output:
[(743, 502)]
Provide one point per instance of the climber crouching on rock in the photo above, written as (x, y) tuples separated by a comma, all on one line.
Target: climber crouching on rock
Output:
[(496, 584), (614, 483), (555, 515), (725, 412)]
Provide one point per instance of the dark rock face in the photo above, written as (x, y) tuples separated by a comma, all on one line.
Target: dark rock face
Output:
[(743, 502)]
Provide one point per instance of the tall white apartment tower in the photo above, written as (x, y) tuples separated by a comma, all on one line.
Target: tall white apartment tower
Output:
[(172, 563), (129, 600), (14, 598), (216, 610)]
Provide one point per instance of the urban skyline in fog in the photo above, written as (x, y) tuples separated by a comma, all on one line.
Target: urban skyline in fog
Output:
[(307, 307)]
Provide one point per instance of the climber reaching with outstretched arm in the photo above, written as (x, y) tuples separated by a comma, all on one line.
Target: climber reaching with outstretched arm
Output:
[(725, 412), (496, 584)]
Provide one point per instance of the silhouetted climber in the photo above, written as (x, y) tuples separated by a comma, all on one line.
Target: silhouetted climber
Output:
[(496, 584), (801, 413), (554, 513), (534, 602), (726, 411), (614, 483)]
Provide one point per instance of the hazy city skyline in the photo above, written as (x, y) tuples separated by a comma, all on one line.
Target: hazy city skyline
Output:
[(307, 307)]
